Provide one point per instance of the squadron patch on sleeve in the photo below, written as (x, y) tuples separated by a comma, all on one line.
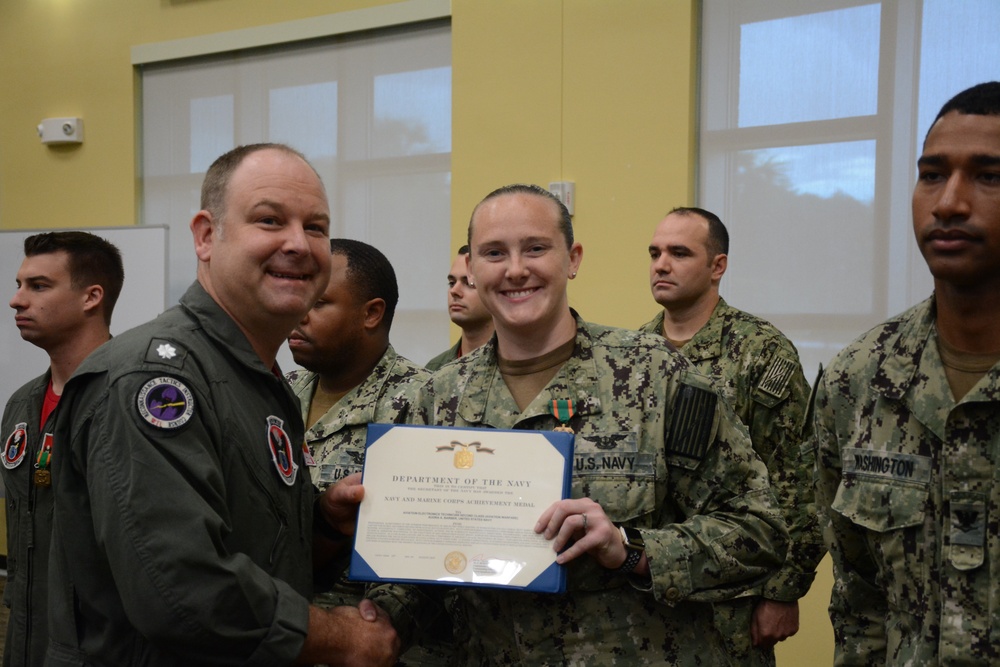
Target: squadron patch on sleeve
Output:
[(16, 446), (165, 402), (691, 425), (281, 450)]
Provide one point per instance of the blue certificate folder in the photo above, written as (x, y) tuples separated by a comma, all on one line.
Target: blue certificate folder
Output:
[(458, 506)]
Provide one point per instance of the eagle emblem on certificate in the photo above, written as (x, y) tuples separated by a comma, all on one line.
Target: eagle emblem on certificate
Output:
[(465, 455)]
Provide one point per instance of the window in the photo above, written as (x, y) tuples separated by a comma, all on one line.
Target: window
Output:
[(812, 115), (371, 111)]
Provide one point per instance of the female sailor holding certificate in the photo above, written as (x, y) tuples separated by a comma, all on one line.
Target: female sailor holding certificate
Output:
[(670, 508)]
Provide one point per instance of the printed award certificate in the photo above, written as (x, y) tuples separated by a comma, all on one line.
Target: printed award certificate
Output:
[(458, 506)]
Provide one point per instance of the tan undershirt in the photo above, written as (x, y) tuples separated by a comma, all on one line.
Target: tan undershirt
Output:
[(677, 343), (526, 378), (321, 403), (964, 369)]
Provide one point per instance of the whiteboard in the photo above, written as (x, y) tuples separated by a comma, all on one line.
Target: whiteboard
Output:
[(143, 297)]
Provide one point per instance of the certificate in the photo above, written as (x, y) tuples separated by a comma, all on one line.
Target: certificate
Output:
[(458, 506)]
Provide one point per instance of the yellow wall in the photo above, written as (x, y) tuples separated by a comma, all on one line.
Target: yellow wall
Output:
[(592, 91), (598, 92), (72, 58)]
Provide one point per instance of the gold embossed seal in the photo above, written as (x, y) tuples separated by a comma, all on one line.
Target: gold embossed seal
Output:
[(455, 562)]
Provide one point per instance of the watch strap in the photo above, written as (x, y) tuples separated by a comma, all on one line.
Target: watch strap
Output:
[(633, 553), (632, 558)]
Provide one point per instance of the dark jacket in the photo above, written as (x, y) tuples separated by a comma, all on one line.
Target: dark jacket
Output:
[(29, 527), (177, 540)]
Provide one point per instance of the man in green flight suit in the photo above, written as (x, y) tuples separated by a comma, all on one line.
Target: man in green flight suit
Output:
[(67, 288), (183, 521)]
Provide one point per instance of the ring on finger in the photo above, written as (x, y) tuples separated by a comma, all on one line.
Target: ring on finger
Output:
[(584, 522)]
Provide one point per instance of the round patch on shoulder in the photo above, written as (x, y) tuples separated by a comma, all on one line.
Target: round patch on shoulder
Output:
[(281, 450), (165, 402), (16, 446)]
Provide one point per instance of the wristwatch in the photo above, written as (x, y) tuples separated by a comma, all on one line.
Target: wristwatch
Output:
[(634, 548)]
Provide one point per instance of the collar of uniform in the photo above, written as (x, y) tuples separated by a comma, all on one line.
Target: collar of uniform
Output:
[(912, 366), (707, 341), (903, 349), (987, 390), (655, 325), (576, 380), (219, 326), (303, 384), (930, 364), (32, 395), (40, 383), (357, 407)]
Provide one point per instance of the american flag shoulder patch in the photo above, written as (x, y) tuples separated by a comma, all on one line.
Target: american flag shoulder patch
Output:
[(691, 423), (775, 380)]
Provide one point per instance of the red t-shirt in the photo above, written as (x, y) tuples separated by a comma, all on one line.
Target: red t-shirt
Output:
[(48, 405)]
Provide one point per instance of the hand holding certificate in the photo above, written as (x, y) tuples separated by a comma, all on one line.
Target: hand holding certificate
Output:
[(459, 506)]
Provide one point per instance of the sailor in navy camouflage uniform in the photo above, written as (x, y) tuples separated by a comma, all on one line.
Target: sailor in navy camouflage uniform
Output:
[(908, 427), (352, 377), (670, 508), (757, 369), (466, 311)]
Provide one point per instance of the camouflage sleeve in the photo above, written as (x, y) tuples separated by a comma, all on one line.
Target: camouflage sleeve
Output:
[(412, 609), (857, 609), (721, 532), (778, 427)]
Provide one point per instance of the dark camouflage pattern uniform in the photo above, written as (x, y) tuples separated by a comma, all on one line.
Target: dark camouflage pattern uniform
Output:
[(337, 440), (658, 450), (337, 443), (757, 369), (449, 355), (909, 481)]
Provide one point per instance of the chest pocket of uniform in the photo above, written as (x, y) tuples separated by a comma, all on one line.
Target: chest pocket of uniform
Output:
[(893, 514), (880, 505), (883, 491), (336, 463), (609, 468)]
